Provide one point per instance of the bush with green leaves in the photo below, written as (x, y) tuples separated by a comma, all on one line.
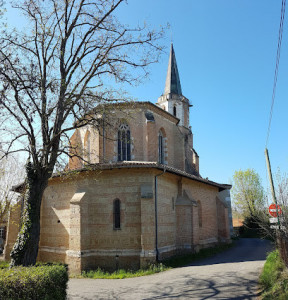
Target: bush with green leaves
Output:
[(4, 264), (45, 282)]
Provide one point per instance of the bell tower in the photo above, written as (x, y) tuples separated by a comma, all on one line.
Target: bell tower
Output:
[(172, 100)]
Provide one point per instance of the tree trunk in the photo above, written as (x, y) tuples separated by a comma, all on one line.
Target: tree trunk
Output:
[(25, 250)]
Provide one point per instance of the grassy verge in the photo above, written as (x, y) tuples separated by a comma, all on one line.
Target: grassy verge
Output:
[(274, 278), (121, 274), (174, 262)]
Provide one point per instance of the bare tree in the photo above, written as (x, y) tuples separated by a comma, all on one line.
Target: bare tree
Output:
[(52, 76), (278, 229)]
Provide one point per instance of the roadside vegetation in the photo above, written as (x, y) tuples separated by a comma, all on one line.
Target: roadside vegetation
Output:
[(4, 264), (44, 281), (274, 278), (121, 274), (174, 262)]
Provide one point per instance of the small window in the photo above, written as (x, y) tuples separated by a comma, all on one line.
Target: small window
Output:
[(116, 212), (174, 111), (124, 143)]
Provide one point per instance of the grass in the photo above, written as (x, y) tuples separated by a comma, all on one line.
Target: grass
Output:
[(274, 278), (174, 262), (121, 274)]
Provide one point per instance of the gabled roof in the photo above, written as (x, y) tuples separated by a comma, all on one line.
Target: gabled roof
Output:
[(172, 85)]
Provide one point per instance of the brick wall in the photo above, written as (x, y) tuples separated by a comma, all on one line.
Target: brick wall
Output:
[(206, 194), (77, 218), (12, 229), (144, 138), (223, 221)]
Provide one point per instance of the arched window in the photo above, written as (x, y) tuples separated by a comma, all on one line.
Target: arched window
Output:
[(116, 214), (160, 148), (174, 110), (199, 213), (124, 143)]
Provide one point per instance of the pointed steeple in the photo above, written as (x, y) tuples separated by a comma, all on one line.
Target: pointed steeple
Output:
[(172, 85), (172, 100)]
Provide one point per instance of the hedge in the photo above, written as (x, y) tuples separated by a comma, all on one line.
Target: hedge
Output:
[(4, 264), (45, 282)]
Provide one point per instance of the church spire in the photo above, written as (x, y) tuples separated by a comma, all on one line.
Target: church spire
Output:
[(172, 85), (172, 100)]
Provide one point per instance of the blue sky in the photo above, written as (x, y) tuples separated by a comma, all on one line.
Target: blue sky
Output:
[(226, 54)]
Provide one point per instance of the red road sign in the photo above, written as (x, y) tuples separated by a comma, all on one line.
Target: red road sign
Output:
[(273, 211)]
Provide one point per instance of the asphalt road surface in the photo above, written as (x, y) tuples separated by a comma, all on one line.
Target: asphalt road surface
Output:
[(232, 274)]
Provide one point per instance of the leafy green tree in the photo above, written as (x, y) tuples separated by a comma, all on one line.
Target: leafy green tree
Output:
[(247, 193)]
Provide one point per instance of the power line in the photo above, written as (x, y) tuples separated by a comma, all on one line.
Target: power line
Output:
[(277, 65)]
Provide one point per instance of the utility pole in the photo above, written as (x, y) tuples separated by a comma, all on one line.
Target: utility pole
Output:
[(271, 183)]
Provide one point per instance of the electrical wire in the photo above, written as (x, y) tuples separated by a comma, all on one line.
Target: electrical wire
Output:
[(277, 66)]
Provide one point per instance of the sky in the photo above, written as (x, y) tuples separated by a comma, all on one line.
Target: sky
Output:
[(226, 53)]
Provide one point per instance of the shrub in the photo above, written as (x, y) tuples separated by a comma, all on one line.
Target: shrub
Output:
[(4, 264), (45, 282), (272, 269)]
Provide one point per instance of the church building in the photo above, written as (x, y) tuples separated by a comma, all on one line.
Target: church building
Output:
[(137, 195)]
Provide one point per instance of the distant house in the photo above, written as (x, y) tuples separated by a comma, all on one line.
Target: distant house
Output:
[(137, 196), (237, 222)]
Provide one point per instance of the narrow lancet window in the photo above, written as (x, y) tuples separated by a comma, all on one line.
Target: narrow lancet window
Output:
[(116, 213), (160, 148), (174, 111)]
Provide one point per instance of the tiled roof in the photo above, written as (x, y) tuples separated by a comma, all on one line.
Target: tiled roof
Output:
[(135, 164), (147, 164)]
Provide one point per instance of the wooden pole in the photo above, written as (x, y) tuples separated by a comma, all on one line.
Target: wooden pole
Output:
[(270, 176), (271, 183)]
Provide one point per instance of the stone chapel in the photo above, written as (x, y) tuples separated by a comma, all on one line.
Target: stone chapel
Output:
[(141, 199)]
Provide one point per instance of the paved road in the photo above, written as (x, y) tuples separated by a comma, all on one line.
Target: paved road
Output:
[(232, 274)]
